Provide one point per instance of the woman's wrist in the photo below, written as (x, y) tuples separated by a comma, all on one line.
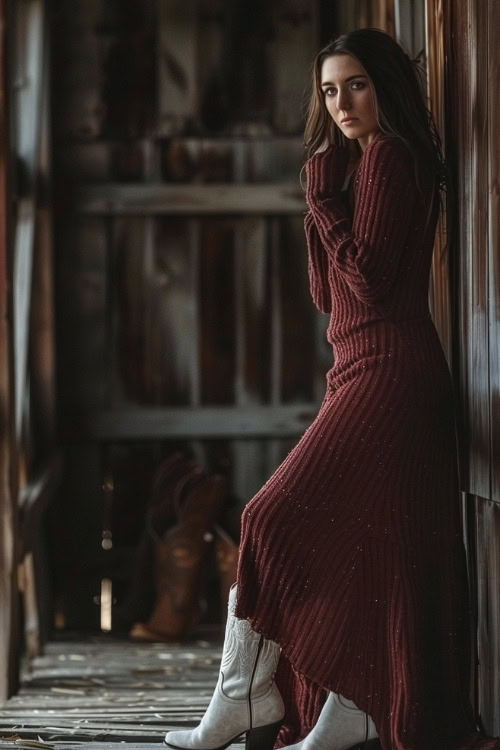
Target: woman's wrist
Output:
[(326, 172)]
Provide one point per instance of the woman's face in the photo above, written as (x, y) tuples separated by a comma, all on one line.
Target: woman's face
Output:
[(348, 97)]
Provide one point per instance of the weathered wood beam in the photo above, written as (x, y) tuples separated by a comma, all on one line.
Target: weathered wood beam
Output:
[(191, 200), (27, 103), (9, 637), (206, 422), (38, 492), (22, 283), (494, 242)]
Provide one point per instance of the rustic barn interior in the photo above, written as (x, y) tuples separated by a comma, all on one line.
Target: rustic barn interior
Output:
[(157, 327)]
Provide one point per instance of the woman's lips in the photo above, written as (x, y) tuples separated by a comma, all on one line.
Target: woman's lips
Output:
[(350, 121)]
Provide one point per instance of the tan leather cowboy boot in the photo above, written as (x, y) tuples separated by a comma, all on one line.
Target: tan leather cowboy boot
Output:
[(181, 554), (168, 486)]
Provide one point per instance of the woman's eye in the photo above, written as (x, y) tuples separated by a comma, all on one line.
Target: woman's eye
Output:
[(355, 86)]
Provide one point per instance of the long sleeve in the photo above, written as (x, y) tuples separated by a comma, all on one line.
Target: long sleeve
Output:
[(368, 252), (317, 264)]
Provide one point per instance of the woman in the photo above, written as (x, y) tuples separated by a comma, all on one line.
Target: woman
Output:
[(352, 563)]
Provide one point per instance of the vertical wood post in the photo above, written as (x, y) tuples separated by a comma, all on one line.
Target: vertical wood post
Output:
[(9, 642)]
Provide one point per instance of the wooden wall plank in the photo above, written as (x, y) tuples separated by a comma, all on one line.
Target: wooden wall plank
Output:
[(297, 381), (488, 571), (295, 39), (85, 162), (127, 61), (28, 112), (476, 194), (42, 354), (439, 291), (276, 310), (105, 58), (409, 22), (77, 56), (41, 439), (356, 14), (134, 356), (182, 159), (9, 626), (494, 239), (217, 340), (216, 40), (177, 311), (178, 200), (22, 290), (274, 159), (205, 422), (195, 284), (252, 296), (277, 323), (76, 523), (253, 345), (177, 65), (156, 326), (83, 295)]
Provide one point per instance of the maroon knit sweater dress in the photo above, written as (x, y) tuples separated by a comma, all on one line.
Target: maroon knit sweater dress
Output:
[(351, 555)]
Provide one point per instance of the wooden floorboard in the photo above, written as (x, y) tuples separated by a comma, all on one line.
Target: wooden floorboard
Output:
[(99, 692)]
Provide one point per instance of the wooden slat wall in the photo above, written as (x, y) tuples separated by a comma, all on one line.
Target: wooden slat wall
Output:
[(464, 56), (354, 14), (183, 306)]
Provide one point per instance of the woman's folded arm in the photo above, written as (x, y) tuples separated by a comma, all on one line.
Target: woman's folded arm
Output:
[(369, 250)]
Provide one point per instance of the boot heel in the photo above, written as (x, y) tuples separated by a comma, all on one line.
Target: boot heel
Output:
[(263, 738)]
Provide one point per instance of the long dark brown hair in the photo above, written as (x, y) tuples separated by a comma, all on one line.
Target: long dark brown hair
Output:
[(398, 85)]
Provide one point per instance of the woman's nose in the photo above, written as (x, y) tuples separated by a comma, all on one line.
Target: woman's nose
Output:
[(343, 100)]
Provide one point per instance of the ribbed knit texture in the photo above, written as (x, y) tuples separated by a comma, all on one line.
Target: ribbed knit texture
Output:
[(351, 555)]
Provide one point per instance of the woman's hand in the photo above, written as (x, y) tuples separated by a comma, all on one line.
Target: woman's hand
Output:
[(326, 172)]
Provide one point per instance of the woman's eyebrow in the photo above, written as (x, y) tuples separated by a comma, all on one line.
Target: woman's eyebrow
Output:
[(349, 78)]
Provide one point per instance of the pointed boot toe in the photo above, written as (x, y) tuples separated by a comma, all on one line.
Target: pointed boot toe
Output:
[(178, 739)]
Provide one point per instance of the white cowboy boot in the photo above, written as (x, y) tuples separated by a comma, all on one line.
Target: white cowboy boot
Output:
[(340, 726), (246, 700)]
